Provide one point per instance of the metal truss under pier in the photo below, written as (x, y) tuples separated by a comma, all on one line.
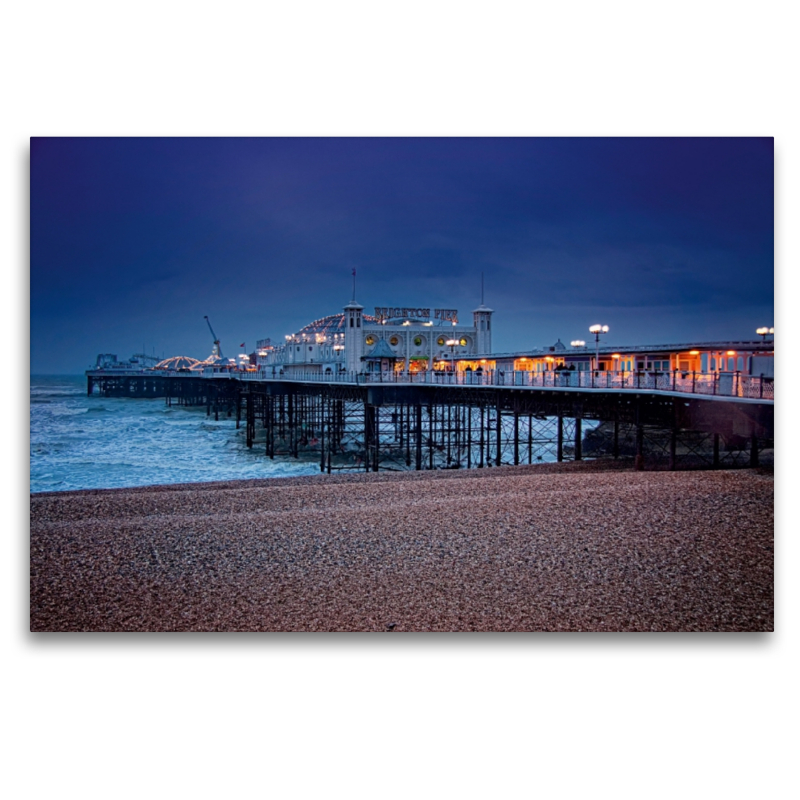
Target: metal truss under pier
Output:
[(404, 427), (421, 426)]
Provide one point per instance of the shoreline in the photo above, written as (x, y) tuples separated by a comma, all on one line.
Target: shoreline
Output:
[(571, 546), (586, 466)]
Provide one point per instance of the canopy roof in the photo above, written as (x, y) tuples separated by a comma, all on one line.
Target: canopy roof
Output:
[(381, 350)]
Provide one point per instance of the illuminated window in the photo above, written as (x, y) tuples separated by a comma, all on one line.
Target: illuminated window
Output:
[(463, 341), (394, 341), (370, 340)]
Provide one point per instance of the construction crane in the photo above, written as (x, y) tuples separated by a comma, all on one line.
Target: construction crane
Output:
[(217, 350)]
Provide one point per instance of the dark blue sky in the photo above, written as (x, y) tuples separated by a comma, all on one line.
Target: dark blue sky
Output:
[(133, 241)]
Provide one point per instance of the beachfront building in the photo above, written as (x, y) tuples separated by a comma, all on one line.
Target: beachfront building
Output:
[(393, 339)]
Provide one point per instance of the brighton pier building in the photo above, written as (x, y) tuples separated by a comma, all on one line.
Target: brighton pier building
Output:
[(390, 340)]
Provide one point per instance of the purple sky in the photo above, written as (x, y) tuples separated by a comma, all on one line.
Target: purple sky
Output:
[(133, 241)]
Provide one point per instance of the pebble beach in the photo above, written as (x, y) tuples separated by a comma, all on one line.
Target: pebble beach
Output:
[(556, 547)]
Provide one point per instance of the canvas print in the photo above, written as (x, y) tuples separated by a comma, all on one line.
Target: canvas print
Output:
[(401, 385)]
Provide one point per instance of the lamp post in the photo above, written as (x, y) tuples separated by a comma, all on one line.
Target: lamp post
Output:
[(762, 332), (451, 343), (597, 330)]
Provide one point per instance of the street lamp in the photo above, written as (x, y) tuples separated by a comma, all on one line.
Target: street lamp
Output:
[(597, 330), (762, 332), (577, 343), (451, 343)]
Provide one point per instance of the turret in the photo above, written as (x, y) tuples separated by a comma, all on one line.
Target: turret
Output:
[(353, 336), (482, 317)]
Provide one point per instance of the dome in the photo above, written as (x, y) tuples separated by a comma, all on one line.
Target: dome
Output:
[(333, 323), (177, 362)]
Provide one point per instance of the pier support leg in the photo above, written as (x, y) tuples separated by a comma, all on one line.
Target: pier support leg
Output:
[(251, 420), (369, 433), (673, 440), (322, 436), (560, 437), (753, 451), (578, 437), (408, 435), (480, 444), (430, 436), (499, 434), (640, 447), (418, 435), (469, 436), (530, 439), (715, 458), (615, 450), (376, 438)]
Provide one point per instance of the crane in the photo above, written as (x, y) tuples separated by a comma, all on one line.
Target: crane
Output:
[(217, 351)]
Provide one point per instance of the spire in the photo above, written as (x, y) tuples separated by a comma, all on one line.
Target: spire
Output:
[(354, 303), (482, 306)]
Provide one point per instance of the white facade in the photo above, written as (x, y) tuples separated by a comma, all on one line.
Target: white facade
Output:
[(396, 339)]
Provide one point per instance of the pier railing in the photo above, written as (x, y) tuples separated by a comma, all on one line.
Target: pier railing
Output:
[(724, 384)]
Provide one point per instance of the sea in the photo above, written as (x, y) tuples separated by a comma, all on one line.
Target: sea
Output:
[(83, 442), (93, 442)]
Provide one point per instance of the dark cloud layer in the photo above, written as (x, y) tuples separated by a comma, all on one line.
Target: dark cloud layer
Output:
[(133, 241)]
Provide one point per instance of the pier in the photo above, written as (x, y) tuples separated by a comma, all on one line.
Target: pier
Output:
[(464, 420)]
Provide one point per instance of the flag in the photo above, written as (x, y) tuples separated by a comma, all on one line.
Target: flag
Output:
[(242, 344), (354, 272)]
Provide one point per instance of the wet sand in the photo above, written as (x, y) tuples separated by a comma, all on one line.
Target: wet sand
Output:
[(570, 547)]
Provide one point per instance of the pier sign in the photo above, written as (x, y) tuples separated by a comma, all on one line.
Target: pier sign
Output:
[(441, 314)]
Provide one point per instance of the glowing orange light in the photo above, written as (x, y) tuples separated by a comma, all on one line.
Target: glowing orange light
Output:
[(549, 358), (731, 352), (694, 352), (615, 355)]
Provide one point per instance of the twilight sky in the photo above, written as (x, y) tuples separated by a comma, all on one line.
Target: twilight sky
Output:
[(133, 241)]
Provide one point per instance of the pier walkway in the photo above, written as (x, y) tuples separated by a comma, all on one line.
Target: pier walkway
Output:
[(713, 384)]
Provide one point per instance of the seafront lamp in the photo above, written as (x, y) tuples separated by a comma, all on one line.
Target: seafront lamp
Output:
[(451, 343), (762, 332), (597, 330), (578, 343)]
